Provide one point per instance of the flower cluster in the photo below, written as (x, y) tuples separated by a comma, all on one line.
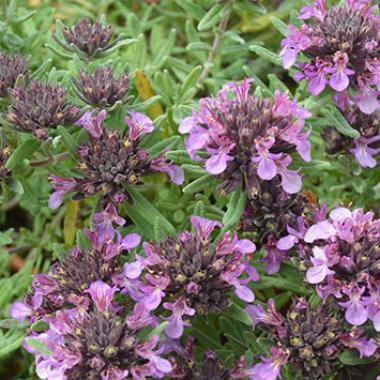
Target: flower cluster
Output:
[(101, 89), (248, 138), (10, 69), (89, 334), (342, 49), (342, 257), (310, 340), (99, 343), (109, 161), (67, 283), (269, 216), (363, 148), (37, 107), (186, 367), (90, 38), (188, 271)]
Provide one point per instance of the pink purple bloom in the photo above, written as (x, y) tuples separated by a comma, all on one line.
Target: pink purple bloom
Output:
[(99, 343), (191, 276), (79, 275), (341, 46), (109, 161), (341, 255), (309, 339), (248, 138)]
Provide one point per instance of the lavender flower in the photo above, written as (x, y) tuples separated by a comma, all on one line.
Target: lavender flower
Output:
[(363, 148), (248, 138), (38, 107), (109, 161), (101, 89), (342, 47), (68, 281), (342, 258), (308, 339), (99, 344), (10, 69), (187, 270), (90, 38)]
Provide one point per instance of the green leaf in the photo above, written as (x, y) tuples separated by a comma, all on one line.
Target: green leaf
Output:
[(179, 157), (190, 81), (235, 208), (158, 148), (336, 119), (159, 230), (39, 326), (6, 237), (25, 150), (9, 323), (266, 54), (352, 357), (280, 25), (194, 169), (83, 241), (211, 18), (166, 49), (238, 314), (11, 341), (147, 211), (38, 346), (69, 141), (191, 8), (199, 184)]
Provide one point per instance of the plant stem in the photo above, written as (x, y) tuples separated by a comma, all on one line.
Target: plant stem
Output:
[(215, 45), (50, 160)]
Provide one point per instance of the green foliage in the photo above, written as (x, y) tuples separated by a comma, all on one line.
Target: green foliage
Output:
[(176, 51)]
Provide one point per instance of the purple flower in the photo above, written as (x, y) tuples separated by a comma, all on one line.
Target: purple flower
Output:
[(237, 129), (308, 339), (20, 311), (38, 107), (162, 164), (340, 254), (366, 347), (61, 187), (10, 69), (270, 368), (341, 45), (269, 317), (321, 230), (179, 308), (138, 124), (97, 344), (90, 38), (101, 89), (189, 272), (364, 153), (109, 161), (93, 124), (103, 223), (102, 294), (320, 269), (356, 313), (154, 291)]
